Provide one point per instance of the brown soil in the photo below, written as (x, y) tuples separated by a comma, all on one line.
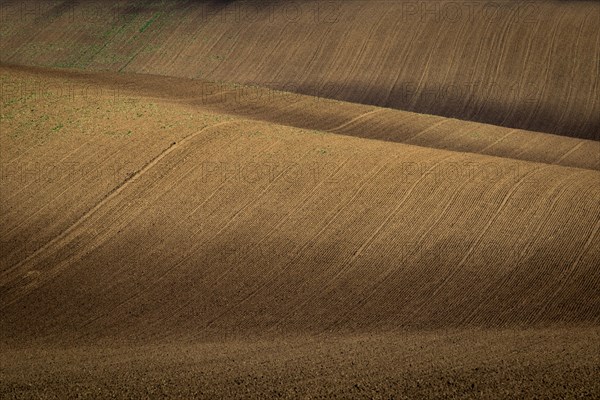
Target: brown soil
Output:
[(163, 237), (552, 363), (531, 66)]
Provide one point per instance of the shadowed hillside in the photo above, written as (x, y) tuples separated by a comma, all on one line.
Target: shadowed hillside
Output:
[(308, 112), (530, 65), (222, 226), (296, 199)]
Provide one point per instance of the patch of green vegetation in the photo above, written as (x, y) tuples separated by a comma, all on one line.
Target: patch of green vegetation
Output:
[(6, 116), (90, 53), (57, 127), (149, 22), (10, 102), (109, 32)]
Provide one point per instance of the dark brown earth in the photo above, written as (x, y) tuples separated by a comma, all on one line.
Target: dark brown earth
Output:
[(529, 65), (168, 237)]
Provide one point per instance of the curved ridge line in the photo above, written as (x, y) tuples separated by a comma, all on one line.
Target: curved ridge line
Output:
[(361, 116)]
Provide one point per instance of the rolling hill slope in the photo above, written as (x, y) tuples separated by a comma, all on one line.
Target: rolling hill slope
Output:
[(226, 225), (154, 248), (531, 66), (307, 112), (357, 199)]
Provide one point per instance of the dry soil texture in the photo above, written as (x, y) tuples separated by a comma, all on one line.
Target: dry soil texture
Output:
[(163, 237), (529, 65)]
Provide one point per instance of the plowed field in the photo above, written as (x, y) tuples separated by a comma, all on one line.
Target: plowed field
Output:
[(167, 233)]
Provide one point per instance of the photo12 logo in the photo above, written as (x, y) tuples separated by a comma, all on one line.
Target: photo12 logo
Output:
[(469, 11), (112, 12), (15, 91), (316, 12)]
